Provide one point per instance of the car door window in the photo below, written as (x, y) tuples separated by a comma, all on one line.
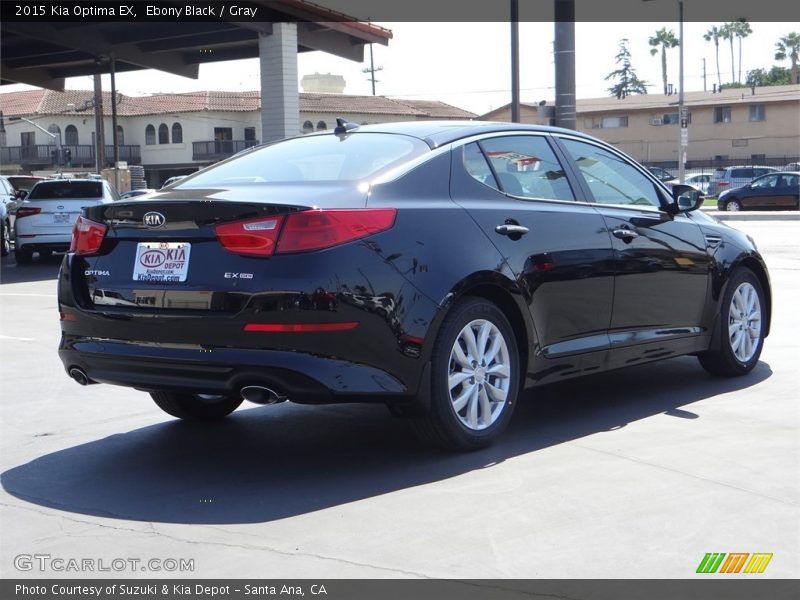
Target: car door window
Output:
[(767, 182), (789, 180), (612, 179), (526, 167)]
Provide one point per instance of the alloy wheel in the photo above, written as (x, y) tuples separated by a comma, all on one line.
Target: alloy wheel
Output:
[(479, 374), (744, 322)]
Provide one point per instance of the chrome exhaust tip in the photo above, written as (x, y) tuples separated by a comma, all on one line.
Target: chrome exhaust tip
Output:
[(80, 376), (259, 394)]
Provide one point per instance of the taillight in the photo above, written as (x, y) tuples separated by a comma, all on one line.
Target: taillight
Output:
[(255, 237), (723, 184), (27, 211), (87, 236), (318, 229)]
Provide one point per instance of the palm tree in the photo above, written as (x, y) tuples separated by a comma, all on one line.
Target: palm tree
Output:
[(741, 28), (665, 39), (715, 34), (728, 33), (789, 47)]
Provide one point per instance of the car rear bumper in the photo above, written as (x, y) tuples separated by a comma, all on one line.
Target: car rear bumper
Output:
[(57, 242), (301, 377)]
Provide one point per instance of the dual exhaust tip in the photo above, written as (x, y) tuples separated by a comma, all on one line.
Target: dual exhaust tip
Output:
[(258, 394)]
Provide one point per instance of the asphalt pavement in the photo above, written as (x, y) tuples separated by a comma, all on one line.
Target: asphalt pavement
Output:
[(635, 474)]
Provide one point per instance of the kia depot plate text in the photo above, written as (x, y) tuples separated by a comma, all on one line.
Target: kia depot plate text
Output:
[(161, 261)]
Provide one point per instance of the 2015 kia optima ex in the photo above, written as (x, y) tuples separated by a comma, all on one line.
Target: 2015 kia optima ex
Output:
[(438, 267)]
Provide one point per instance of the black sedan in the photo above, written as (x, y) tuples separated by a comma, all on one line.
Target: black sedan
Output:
[(772, 191), (440, 268)]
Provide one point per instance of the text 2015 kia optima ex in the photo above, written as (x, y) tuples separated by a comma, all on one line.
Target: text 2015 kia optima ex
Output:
[(437, 267)]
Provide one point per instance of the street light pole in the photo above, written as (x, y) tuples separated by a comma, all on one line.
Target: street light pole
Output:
[(54, 136), (683, 115)]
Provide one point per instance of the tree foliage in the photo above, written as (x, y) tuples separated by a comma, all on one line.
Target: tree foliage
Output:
[(663, 39), (627, 82), (789, 47)]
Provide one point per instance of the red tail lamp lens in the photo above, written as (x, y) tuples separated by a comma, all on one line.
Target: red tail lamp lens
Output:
[(300, 327), (254, 237), (87, 236), (318, 229), (27, 211)]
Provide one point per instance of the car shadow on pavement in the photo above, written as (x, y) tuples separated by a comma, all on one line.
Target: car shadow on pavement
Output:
[(41, 269), (269, 463)]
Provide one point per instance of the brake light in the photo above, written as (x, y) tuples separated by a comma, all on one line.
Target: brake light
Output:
[(723, 183), (87, 236), (254, 237), (318, 229), (27, 211)]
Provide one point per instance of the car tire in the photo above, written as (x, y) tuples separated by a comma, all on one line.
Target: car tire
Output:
[(5, 243), (733, 206), (196, 407), (475, 377), (742, 323), (23, 256)]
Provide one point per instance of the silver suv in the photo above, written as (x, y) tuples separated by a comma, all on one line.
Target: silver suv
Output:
[(730, 178)]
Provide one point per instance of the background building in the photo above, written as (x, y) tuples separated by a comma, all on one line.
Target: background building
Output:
[(175, 134), (759, 125)]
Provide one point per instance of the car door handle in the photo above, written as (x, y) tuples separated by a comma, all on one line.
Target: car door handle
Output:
[(507, 229), (624, 234)]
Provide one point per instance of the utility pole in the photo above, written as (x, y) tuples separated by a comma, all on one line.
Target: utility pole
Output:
[(683, 114), (99, 129), (565, 63), (114, 121), (515, 61), (372, 69), (705, 89)]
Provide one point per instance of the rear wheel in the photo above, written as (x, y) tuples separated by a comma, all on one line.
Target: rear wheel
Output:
[(196, 407), (733, 206), (475, 378), (743, 323), (23, 256)]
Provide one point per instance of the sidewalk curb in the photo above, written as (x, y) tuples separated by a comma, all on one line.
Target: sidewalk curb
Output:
[(722, 215)]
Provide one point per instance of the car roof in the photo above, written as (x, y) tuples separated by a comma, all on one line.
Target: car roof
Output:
[(439, 133)]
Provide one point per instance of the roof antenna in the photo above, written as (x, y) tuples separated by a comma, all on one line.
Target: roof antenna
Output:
[(343, 126)]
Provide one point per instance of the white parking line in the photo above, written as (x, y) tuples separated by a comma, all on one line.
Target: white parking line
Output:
[(19, 339)]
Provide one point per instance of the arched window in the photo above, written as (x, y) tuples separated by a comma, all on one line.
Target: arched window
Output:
[(71, 135), (149, 135), (177, 133), (321, 126), (163, 134), (120, 135), (55, 129), (308, 127)]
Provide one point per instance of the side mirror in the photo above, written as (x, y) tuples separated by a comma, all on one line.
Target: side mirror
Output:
[(685, 199)]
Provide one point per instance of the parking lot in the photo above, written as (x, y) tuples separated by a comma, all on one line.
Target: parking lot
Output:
[(631, 474)]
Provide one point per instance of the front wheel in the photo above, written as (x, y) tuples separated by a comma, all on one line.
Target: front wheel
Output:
[(475, 378), (733, 206), (196, 407), (5, 244), (742, 326)]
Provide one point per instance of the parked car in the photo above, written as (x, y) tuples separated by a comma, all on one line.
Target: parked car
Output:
[(701, 181), (729, 178), (46, 217), (772, 191), (470, 261), (5, 231), (793, 166), (135, 193)]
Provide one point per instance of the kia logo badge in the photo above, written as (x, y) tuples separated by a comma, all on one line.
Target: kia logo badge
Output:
[(153, 220)]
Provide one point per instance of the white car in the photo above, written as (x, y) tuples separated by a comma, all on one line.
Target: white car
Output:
[(701, 181), (45, 218)]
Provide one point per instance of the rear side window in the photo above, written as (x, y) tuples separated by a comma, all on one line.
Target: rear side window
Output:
[(353, 157), (526, 167), (747, 173), (612, 179), (56, 190)]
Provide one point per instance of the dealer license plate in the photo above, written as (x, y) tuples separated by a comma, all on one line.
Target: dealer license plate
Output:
[(161, 261)]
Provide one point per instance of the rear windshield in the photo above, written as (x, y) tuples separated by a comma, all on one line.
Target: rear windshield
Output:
[(56, 190), (328, 157)]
